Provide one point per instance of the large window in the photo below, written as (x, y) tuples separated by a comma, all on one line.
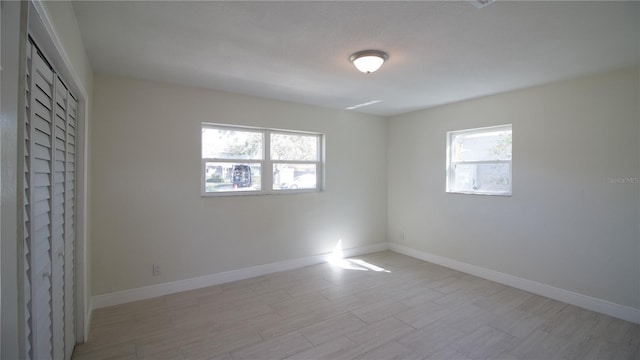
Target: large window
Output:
[(243, 160), (479, 161)]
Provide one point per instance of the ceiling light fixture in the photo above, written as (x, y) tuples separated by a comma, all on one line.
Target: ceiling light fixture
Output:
[(368, 61)]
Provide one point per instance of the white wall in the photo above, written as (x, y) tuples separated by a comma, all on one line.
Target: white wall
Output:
[(566, 225), (146, 186), (66, 27)]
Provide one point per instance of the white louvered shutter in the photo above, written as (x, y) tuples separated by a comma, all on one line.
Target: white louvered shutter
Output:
[(40, 169), (69, 223), (49, 236), (58, 201), (27, 197)]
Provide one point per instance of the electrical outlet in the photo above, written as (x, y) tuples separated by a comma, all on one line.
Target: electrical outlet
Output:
[(156, 270)]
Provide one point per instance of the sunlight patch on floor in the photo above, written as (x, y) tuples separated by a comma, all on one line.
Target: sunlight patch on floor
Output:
[(336, 258)]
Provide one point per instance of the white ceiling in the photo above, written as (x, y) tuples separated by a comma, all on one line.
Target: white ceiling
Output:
[(440, 52)]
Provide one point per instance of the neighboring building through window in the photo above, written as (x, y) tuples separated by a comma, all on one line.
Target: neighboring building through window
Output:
[(244, 160), (479, 161), (296, 160)]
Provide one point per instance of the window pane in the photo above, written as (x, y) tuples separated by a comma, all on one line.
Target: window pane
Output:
[(220, 177), (481, 146), (231, 144), (490, 178), (294, 176), (294, 147)]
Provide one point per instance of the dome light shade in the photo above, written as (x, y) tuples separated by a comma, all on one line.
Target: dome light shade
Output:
[(368, 61)]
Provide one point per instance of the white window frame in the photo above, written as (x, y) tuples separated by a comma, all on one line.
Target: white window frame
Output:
[(266, 163), (450, 166)]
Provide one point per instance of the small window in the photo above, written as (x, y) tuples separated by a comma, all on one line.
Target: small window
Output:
[(296, 160), (479, 161), (243, 160)]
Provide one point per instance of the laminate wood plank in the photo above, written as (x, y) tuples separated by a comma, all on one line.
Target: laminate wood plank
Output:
[(417, 310)]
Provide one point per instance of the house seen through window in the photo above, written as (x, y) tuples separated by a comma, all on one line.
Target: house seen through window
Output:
[(252, 160), (479, 161)]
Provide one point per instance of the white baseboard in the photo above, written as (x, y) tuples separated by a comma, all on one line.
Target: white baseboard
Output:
[(602, 306), (147, 292)]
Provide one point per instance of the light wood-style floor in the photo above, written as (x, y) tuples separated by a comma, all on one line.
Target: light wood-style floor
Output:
[(387, 306)]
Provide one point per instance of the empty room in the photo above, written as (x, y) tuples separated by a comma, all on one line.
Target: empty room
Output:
[(320, 180)]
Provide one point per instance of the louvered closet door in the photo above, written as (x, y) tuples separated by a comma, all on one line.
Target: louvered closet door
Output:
[(39, 169), (27, 207), (58, 201), (49, 211), (70, 226)]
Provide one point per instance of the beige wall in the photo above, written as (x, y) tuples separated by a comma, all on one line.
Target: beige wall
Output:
[(147, 206), (566, 224)]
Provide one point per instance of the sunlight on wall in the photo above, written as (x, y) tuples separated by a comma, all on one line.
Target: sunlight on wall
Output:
[(336, 254)]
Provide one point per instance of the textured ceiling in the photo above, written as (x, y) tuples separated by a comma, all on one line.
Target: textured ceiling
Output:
[(440, 52)]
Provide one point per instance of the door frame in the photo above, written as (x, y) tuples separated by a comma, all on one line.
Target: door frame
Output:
[(14, 35)]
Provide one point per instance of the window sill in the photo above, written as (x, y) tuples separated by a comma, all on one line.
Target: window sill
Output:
[(259, 193), (509, 194)]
